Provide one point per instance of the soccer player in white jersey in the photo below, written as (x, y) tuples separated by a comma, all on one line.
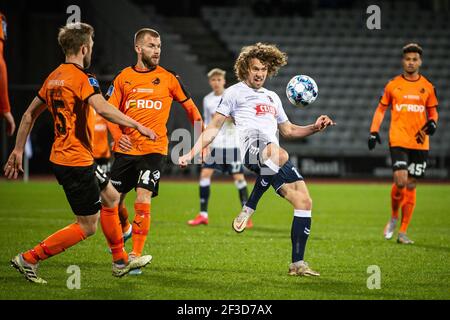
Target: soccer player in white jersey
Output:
[(258, 113), (224, 156)]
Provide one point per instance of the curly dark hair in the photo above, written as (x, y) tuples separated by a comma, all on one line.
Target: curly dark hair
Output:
[(267, 53), (412, 47)]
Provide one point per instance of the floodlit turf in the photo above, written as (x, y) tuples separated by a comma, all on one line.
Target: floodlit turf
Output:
[(214, 262)]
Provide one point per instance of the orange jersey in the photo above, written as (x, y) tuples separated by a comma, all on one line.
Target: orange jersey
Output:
[(409, 101), (4, 97), (101, 144), (146, 96), (3, 25), (66, 92)]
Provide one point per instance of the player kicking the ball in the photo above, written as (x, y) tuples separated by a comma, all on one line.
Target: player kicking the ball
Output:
[(258, 113), (225, 151), (413, 103)]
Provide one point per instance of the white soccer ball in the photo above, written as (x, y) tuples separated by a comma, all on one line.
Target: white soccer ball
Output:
[(302, 90)]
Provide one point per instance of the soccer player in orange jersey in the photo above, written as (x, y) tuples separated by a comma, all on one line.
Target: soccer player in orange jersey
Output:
[(144, 92), (413, 104), (68, 93), (5, 108)]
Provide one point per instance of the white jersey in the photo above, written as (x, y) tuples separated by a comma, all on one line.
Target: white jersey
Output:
[(228, 137), (256, 113)]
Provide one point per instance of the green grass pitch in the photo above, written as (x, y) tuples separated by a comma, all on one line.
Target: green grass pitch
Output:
[(214, 262)]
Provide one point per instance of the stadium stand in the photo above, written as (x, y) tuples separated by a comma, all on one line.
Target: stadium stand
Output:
[(350, 63), (329, 42)]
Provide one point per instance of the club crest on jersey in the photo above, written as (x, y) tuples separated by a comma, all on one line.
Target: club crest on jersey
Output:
[(156, 81), (93, 82), (270, 98), (263, 109)]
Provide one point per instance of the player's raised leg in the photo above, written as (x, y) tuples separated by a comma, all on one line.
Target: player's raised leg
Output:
[(297, 194), (204, 191)]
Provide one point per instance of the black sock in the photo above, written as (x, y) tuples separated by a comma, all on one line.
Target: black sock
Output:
[(299, 236), (204, 197), (262, 183)]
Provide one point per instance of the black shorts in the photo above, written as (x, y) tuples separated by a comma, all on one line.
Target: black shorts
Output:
[(225, 161), (288, 173), (82, 187), (415, 161), (130, 172)]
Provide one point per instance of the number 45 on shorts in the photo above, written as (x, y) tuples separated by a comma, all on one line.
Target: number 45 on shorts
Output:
[(417, 169)]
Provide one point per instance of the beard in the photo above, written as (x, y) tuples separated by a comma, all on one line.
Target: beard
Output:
[(87, 61), (148, 63)]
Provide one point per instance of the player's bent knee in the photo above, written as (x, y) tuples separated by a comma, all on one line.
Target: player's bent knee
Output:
[(305, 201), (89, 225), (283, 157), (143, 196), (206, 174)]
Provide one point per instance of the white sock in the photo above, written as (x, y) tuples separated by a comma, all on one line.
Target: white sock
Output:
[(247, 209), (240, 184), (204, 214), (205, 182), (302, 213)]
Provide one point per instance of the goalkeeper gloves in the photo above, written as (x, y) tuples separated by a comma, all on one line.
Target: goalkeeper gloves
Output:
[(428, 128), (373, 139)]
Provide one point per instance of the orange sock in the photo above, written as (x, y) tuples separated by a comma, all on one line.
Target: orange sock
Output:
[(397, 197), (141, 226), (408, 209), (123, 216), (109, 219), (55, 244)]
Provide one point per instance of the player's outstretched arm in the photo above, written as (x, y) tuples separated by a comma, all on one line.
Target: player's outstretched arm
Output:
[(14, 164), (110, 113), (207, 136), (292, 131)]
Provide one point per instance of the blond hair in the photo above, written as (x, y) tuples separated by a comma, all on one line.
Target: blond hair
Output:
[(74, 35), (141, 33), (268, 54), (216, 72)]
